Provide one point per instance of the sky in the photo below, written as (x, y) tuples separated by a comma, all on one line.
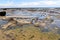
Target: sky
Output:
[(29, 3)]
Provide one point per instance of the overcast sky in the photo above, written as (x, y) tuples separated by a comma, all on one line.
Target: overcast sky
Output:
[(29, 3)]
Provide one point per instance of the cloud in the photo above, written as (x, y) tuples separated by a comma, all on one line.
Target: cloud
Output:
[(31, 4), (39, 3), (50, 3), (6, 4)]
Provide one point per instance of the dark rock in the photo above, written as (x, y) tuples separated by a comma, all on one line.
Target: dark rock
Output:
[(59, 39), (3, 13)]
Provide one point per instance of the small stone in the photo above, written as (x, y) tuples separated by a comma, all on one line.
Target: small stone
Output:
[(32, 37), (13, 39)]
